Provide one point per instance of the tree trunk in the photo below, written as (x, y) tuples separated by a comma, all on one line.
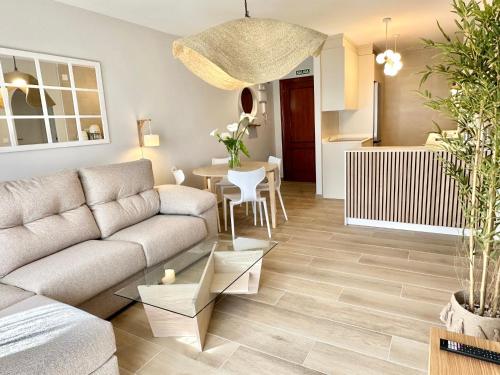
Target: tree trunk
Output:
[(490, 222), (472, 224), (494, 307)]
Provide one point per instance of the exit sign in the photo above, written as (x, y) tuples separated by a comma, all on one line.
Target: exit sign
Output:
[(301, 72)]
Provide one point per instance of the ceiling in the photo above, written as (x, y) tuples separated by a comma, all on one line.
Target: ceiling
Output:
[(360, 20)]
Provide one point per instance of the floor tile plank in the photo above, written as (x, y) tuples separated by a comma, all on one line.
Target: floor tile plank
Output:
[(418, 293), (394, 305), (300, 286), (332, 277), (246, 361), (374, 320), (334, 360), (350, 337), (388, 274), (409, 353), (264, 338)]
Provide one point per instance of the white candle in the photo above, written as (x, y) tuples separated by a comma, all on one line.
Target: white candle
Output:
[(169, 277)]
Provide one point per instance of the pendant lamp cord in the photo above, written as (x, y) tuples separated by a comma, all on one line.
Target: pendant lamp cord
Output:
[(15, 65), (247, 14), (386, 27)]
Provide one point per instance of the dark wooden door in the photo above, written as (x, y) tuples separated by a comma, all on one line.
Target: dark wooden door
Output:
[(297, 126)]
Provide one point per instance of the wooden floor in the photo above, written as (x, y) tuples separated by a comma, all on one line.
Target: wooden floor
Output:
[(333, 300)]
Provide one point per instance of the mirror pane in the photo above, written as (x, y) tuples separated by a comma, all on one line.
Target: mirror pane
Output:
[(93, 128), (59, 102), (85, 77), (3, 93), (21, 72), (55, 74), (63, 129), (4, 133), (30, 131), (25, 101), (247, 100), (88, 103)]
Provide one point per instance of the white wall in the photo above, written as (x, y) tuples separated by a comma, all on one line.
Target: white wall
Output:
[(141, 79), (406, 121)]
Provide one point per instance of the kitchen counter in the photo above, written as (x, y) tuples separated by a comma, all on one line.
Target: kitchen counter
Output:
[(401, 188)]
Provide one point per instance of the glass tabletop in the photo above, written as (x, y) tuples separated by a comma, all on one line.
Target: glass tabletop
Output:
[(193, 279)]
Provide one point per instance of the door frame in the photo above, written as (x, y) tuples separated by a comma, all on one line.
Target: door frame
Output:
[(276, 108), (282, 118)]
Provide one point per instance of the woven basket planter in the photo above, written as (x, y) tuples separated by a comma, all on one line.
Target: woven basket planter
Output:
[(460, 320)]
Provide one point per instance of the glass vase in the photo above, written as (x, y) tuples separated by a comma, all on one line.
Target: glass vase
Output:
[(234, 158)]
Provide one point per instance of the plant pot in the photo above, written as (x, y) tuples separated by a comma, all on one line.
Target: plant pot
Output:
[(460, 320)]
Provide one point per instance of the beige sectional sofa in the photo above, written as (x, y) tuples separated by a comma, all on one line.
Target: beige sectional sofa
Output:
[(70, 240)]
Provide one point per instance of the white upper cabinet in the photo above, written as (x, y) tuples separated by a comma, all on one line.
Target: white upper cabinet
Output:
[(339, 75)]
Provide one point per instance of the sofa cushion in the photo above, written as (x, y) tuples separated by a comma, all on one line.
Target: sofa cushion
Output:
[(41, 216), (185, 200), (120, 195), (163, 236), (80, 272), (42, 336), (10, 295)]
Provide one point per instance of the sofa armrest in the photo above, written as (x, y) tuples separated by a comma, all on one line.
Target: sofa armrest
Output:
[(184, 200)]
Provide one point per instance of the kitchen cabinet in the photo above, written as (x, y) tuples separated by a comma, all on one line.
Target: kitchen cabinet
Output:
[(339, 75)]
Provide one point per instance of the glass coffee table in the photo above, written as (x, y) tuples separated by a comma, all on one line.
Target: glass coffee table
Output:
[(182, 305)]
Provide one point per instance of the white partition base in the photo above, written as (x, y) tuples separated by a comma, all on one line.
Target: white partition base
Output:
[(406, 226)]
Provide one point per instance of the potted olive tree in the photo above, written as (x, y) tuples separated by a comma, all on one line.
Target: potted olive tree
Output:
[(469, 61)]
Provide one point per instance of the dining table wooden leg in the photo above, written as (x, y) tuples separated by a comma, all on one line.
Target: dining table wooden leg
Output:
[(272, 197), (208, 183)]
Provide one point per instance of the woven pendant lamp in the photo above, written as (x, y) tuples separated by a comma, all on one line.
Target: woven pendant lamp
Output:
[(247, 51), (22, 80)]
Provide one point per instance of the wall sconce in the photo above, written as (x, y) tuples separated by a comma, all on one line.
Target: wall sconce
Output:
[(147, 140)]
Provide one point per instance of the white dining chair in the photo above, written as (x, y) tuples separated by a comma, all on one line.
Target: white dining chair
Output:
[(223, 182), (277, 182), (247, 183), (179, 175)]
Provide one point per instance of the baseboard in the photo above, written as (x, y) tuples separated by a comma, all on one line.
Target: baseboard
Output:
[(406, 226)]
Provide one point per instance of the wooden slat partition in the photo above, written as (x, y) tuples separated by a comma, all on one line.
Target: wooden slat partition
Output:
[(403, 186)]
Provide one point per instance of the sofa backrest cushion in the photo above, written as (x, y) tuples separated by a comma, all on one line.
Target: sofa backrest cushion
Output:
[(41, 216), (120, 195)]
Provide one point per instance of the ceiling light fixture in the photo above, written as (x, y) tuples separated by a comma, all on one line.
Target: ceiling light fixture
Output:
[(390, 58), (247, 51)]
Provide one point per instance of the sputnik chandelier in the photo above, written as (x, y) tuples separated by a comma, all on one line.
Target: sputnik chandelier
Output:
[(247, 51), (390, 58)]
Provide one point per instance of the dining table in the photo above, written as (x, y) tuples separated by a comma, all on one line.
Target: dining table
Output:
[(218, 171)]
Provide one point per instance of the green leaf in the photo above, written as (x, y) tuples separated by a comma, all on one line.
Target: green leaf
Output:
[(244, 149), (443, 32)]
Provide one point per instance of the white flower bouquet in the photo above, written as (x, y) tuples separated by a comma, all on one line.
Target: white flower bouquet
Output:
[(233, 139)]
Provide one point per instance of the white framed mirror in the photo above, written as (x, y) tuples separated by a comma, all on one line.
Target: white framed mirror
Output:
[(49, 101), (248, 101)]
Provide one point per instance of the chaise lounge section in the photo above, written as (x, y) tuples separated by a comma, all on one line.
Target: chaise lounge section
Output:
[(73, 238)]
